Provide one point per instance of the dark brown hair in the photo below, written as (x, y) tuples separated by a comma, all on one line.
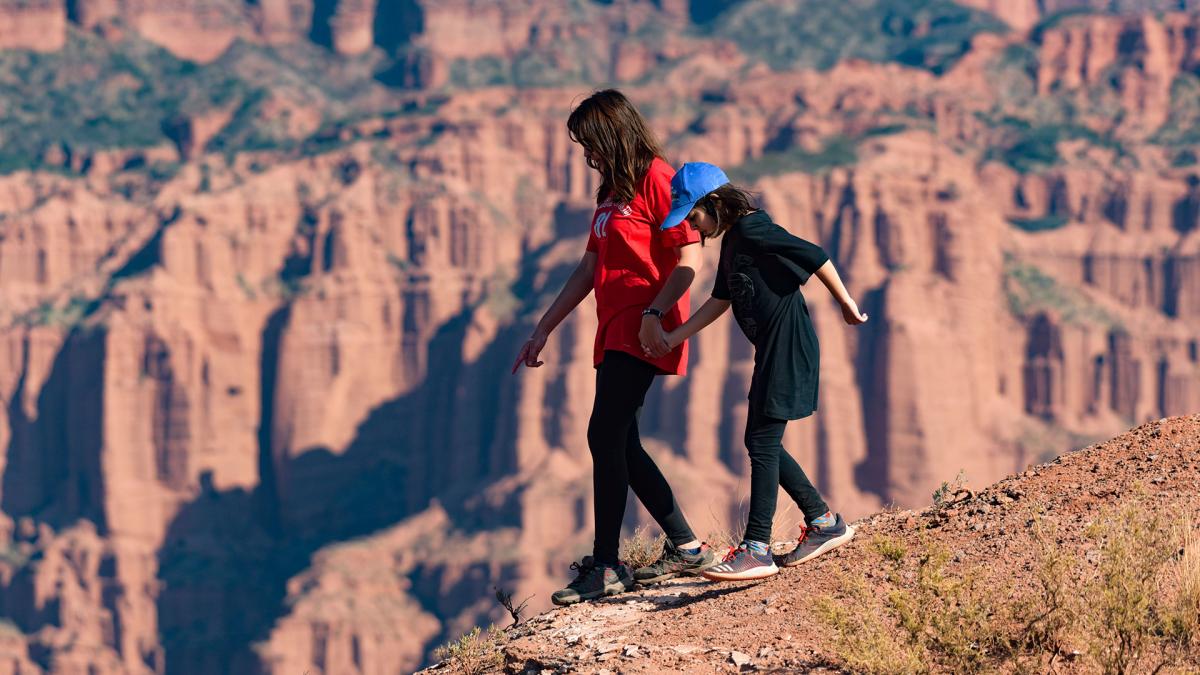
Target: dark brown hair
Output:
[(608, 126), (726, 204)]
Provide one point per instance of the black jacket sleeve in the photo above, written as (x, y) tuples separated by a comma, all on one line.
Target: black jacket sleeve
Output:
[(801, 257)]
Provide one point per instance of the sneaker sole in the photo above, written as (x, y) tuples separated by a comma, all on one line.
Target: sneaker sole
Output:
[(824, 548), (693, 572), (616, 589), (747, 575)]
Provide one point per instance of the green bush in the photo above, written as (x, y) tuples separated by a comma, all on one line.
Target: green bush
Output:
[(1031, 291), (837, 151), (930, 34), (1051, 222)]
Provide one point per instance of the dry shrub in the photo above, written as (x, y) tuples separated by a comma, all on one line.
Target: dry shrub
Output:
[(640, 548), (474, 653), (862, 640), (1137, 611), (947, 620), (1132, 623), (786, 517), (890, 548), (949, 615), (1039, 622), (948, 489), (1184, 574)]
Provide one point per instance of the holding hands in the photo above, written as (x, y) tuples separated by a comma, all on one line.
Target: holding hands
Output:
[(653, 338)]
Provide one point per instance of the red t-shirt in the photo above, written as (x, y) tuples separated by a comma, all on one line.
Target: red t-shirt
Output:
[(634, 259)]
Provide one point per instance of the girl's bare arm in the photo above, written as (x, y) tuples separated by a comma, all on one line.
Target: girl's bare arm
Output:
[(828, 275), (708, 313)]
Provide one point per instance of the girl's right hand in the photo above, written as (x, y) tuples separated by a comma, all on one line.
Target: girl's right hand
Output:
[(529, 352), (851, 314)]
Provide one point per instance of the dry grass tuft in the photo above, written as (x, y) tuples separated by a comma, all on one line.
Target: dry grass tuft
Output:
[(1136, 610), (475, 653), (890, 548), (640, 548), (863, 641)]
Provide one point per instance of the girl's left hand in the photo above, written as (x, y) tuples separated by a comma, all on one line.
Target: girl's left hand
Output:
[(851, 314), (673, 339), (653, 339)]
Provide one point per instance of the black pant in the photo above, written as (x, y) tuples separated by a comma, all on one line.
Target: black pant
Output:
[(771, 467), (618, 459)]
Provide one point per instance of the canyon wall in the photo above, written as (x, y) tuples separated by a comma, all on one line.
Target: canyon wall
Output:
[(258, 415)]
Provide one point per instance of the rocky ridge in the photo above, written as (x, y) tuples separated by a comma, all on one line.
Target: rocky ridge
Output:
[(996, 532)]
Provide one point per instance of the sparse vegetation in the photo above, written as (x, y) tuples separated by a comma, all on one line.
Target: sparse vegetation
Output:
[(1138, 611), (1132, 625), (863, 641), (948, 489), (505, 598), (891, 549), (641, 548), (474, 653), (1050, 222), (836, 151), (818, 34), (1031, 291)]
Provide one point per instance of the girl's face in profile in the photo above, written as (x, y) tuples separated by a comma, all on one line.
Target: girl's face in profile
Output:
[(593, 160), (702, 221)]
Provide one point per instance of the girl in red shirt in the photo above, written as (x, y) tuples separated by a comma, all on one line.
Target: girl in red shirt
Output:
[(641, 274)]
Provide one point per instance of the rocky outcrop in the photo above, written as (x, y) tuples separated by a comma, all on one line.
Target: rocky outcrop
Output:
[(36, 25)]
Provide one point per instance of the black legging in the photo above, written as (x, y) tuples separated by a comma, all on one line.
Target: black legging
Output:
[(618, 459), (771, 467)]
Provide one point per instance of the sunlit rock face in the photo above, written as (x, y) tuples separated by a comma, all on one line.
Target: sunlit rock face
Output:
[(255, 344)]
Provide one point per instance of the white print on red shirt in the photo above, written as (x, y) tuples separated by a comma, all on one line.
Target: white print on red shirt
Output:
[(604, 214)]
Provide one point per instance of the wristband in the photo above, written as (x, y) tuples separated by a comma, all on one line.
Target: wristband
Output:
[(650, 311)]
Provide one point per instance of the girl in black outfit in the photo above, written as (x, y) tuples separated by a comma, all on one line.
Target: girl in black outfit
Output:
[(761, 269)]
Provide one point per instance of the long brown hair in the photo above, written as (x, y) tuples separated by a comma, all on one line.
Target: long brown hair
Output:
[(622, 146), (726, 205)]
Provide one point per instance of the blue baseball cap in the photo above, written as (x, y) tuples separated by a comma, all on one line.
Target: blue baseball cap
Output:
[(692, 183)]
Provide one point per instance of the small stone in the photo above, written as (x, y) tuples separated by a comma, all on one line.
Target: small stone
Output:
[(608, 648), (765, 652), (770, 610), (786, 636), (1158, 480), (1092, 556), (26, 528), (630, 651), (739, 659), (685, 649)]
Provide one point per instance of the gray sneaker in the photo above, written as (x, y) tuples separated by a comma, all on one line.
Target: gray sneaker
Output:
[(593, 581), (742, 564), (674, 562), (817, 540)]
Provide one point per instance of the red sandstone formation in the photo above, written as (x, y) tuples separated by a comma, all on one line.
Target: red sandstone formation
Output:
[(36, 25), (257, 417)]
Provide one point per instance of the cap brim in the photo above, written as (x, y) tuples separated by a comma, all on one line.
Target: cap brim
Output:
[(677, 215)]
